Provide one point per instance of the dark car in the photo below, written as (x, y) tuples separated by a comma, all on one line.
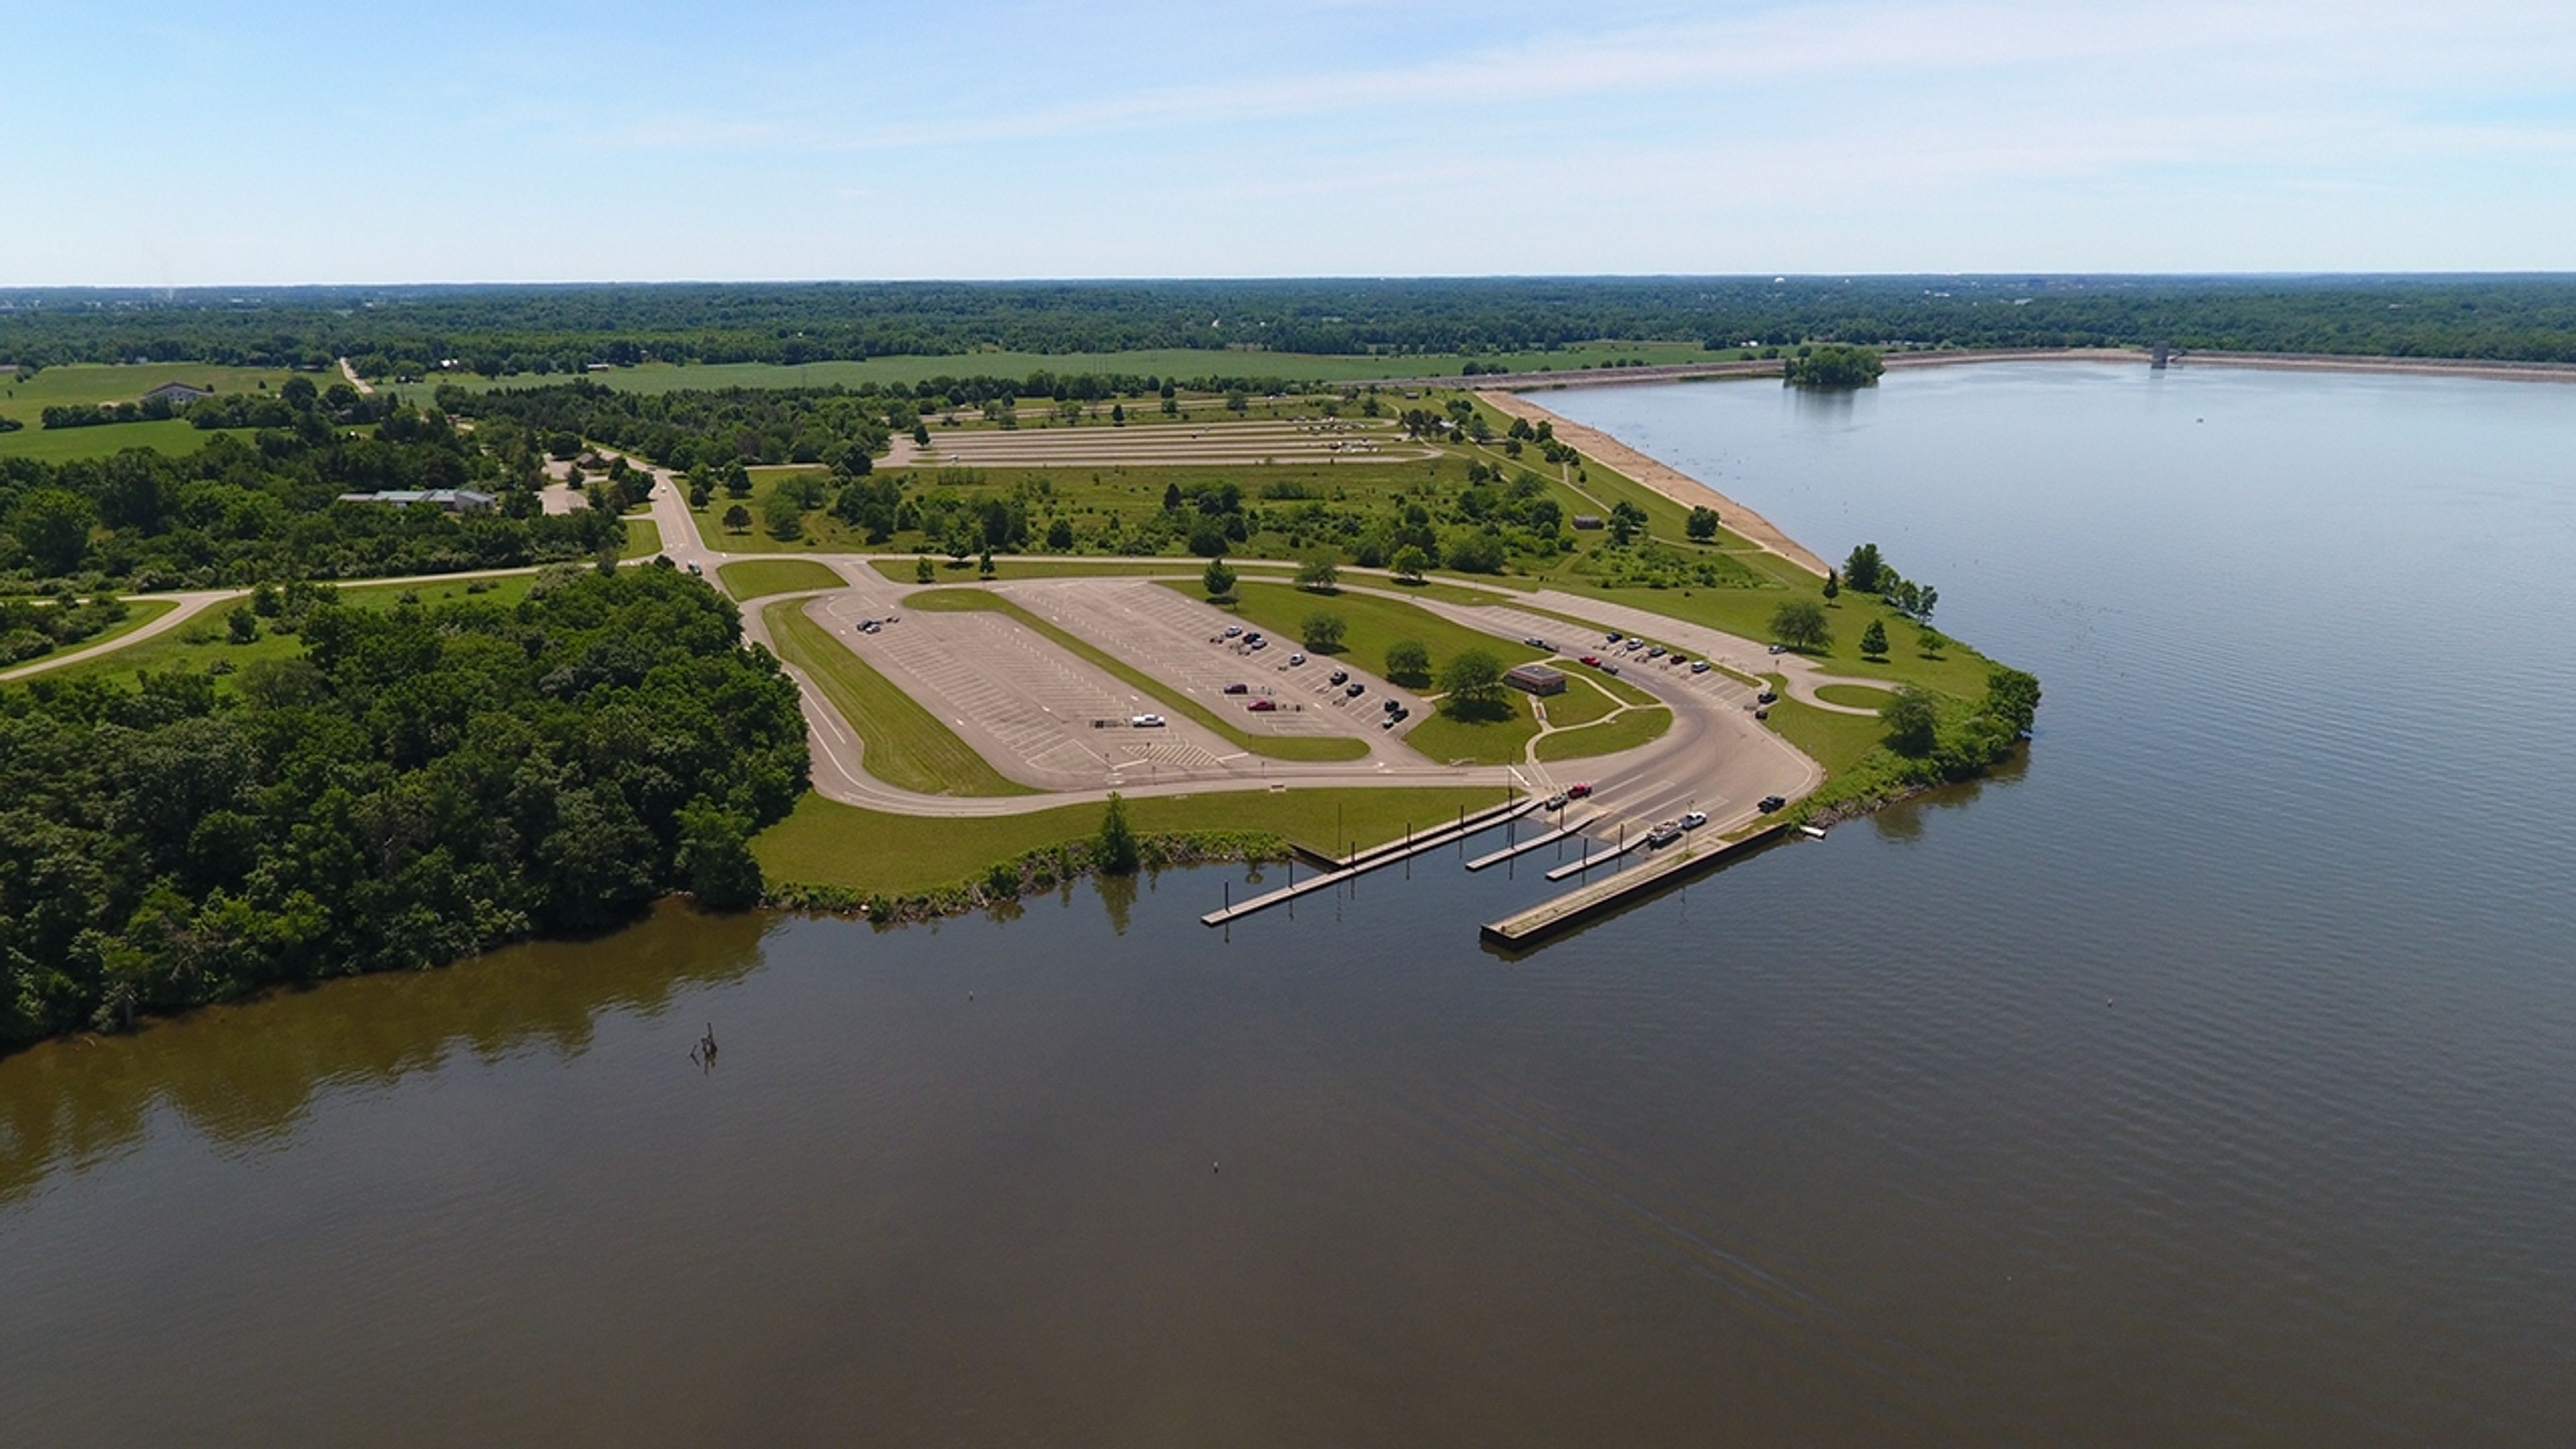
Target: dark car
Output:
[(1238, 689), (1577, 792), (1355, 689), (1772, 803), (1769, 696), (1341, 676)]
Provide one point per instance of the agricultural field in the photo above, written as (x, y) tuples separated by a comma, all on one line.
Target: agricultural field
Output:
[(24, 400)]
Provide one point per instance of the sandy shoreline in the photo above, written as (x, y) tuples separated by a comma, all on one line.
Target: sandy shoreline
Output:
[(1661, 477)]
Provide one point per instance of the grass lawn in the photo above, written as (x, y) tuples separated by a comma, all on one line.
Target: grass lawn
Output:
[(643, 538), (1451, 741), (138, 612), (26, 398), (1299, 747), (1372, 623), (906, 746), (1585, 699), (1835, 741), (824, 843), (1623, 731), (63, 445), (1853, 694), (759, 578)]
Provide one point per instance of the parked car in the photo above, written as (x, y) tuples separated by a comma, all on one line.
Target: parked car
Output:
[(1556, 801), (1699, 666), (1779, 648), (1238, 689), (1147, 721), (1614, 636), (870, 626), (1387, 723), (697, 568), (1768, 696), (1610, 669), (1355, 689), (1535, 642), (1262, 706), (1664, 833), (1341, 676), (1677, 657), (1296, 659), (1694, 819), (1401, 714), (1633, 645), (1233, 631), (1256, 642), (1772, 803), (1594, 660), (1655, 652), (1393, 705), (1577, 792)]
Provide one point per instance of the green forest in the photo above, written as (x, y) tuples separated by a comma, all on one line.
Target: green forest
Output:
[(418, 784), (262, 501), (509, 330)]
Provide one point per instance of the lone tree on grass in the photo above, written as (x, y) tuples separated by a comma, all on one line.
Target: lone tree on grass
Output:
[(1408, 661), (1833, 584), (1319, 574), (1113, 850), (1913, 720), (1863, 570), (922, 572), (1702, 525), (1873, 640), (1472, 683), (1323, 632), (1218, 580), (1409, 562), (1931, 641), (737, 519), (1800, 624)]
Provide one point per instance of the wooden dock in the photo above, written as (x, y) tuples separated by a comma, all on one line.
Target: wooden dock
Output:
[(1533, 843), (1677, 862)]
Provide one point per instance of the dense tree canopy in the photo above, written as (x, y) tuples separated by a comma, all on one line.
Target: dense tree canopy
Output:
[(419, 784)]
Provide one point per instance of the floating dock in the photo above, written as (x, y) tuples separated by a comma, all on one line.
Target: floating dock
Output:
[(1685, 858), (1377, 858)]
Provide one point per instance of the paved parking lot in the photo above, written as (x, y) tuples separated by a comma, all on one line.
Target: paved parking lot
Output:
[(1574, 641), (1179, 641)]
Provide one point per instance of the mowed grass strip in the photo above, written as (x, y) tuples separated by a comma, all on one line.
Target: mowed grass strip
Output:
[(759, 578), (826, 843), (1858, 695), (643, 539), (1584, 700), (1370, 624), (1307, 747), (906, 746), (1624, 731)]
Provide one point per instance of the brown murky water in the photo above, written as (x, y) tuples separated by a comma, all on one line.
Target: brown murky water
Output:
[(2182, 1087)]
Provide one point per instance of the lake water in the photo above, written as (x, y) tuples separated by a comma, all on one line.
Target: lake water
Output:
[(2207, 1078)]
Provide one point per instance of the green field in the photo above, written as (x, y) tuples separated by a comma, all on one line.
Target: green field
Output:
[(1853, 694), (643, 539), (759, 578), (202, 644), (1177, 363), (1623, 731), (26, 398), (1372, 623), (1303, 747), (824, 843), (1835, 741), (1451, 741), (905, 746), (1585, 698), (949, 571)]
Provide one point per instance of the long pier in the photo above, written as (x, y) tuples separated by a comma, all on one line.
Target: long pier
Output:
[(1377, 858), (1584, 902), (1607, 856)]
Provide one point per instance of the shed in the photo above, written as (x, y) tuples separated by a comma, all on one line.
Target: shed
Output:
[(1587, 520), (1536, 678), (178, 392)]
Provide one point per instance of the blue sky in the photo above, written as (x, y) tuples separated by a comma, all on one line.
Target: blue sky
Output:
[(186, 142)]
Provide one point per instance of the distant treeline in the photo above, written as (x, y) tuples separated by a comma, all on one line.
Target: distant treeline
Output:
[(499, 330)]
